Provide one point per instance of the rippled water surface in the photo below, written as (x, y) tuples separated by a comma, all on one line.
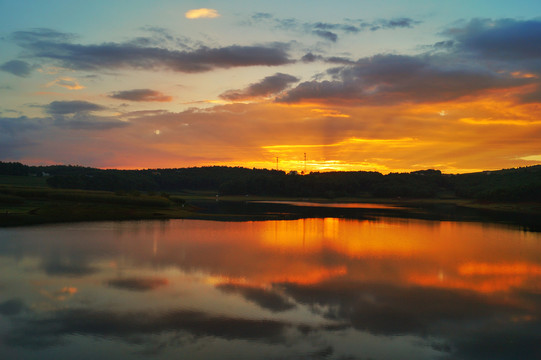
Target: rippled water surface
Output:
[(303, 289)]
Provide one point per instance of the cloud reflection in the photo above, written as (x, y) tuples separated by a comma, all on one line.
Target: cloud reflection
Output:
[(138, 283), (50, 330), (266, 299)]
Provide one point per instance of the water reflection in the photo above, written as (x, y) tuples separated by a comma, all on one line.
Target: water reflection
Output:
[(310, 288)]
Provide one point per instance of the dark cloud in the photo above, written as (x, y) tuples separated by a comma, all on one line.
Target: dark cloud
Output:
[(504, 39), (137, 55), (17, 67), (71, 107), (268, 86), (388, 79), (505, 45), (9, 125), (17, 134), (78, 115), (267, 299), (138, 284), (141, 95), (327, 35)]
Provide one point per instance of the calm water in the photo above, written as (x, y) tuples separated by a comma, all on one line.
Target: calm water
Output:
[(303, 289)]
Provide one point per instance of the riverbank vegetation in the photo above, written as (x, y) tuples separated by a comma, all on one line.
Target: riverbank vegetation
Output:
[(43, 194)]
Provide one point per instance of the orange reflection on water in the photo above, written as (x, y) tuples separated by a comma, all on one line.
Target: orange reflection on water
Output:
[(520, 268), (357, 239), (313, 276), (481, 285), (478, 257)]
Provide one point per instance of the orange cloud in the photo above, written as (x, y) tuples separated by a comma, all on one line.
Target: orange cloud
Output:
[(374, 138)]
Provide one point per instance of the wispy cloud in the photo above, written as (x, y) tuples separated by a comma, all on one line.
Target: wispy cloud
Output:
[(66, 82), (331, 31)]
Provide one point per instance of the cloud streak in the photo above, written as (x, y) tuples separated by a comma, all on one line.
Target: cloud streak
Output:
[(50, 45), (141, 95), (72, 107)]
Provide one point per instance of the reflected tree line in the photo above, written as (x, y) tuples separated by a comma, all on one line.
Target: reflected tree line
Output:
[(518, 184)]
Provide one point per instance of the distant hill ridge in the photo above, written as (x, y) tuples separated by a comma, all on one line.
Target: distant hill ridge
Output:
[(516, 184)]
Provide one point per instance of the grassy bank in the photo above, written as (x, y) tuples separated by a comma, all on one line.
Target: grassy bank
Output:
[(25, 205)]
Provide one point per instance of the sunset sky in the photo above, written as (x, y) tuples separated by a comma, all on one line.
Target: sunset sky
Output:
[(386, 86)]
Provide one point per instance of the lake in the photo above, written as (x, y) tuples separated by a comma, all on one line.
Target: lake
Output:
[(327, 288)]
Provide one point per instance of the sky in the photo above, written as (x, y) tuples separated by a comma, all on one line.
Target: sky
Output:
[(388, 86)]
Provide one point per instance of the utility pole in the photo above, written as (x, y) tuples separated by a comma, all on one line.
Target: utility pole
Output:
[(277, 163), (305, 163)]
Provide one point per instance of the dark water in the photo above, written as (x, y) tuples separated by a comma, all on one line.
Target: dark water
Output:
[(300, 289)]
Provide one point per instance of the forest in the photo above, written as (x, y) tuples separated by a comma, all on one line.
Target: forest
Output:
[(517, 184)]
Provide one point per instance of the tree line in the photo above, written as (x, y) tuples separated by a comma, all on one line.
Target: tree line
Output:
[(518, 184)]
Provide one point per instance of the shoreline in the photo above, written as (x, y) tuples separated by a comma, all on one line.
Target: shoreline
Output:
[(36, 211)]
